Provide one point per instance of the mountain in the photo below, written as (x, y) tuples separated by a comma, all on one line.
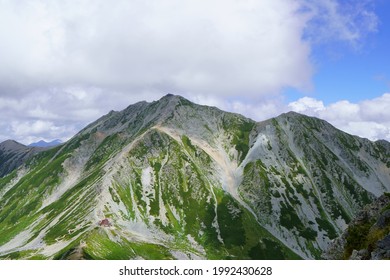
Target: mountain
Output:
[(13, 155), (43, 143), (172, 179)]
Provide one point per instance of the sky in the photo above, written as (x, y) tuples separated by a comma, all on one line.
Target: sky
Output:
[(63, 64)]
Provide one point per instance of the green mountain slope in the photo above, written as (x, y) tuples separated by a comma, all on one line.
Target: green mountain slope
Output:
[(177, 180)]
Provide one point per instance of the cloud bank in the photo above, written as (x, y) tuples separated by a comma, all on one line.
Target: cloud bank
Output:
[(220, 47)]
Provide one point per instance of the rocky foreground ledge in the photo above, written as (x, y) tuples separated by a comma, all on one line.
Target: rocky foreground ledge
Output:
[(367, 236)]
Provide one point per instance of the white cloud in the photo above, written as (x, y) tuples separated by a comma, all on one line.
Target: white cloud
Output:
[(307, 104), (28, 130), (369, 118), (31, 127), (377, 108), (227, 47)]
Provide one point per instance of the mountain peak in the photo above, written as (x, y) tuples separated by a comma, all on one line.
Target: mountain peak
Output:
[(169, 95), (292, 114), (11, 145), (173, 99)]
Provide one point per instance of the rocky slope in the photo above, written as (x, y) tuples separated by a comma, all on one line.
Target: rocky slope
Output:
[(179, 180)]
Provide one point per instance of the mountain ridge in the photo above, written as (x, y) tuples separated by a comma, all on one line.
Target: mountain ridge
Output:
[(13, 154), (192, 181)]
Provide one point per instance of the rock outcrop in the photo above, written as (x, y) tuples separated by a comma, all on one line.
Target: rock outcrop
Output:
[(367, 236)]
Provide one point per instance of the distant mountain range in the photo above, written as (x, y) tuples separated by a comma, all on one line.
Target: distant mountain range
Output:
[(43, 143), (172, 179)]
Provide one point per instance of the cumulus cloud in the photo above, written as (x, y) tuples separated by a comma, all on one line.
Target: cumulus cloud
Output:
[(26, 130), (307, 104), (204, 46), (67, 63), (368, 118)]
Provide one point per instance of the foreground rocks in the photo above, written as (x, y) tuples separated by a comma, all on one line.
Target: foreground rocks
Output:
[(367, 237)]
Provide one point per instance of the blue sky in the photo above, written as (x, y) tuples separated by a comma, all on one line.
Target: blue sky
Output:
[(357, 73), (354, 71), (64, 65)]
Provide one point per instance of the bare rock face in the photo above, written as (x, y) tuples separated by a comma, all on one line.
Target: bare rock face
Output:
[(367, 236)]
